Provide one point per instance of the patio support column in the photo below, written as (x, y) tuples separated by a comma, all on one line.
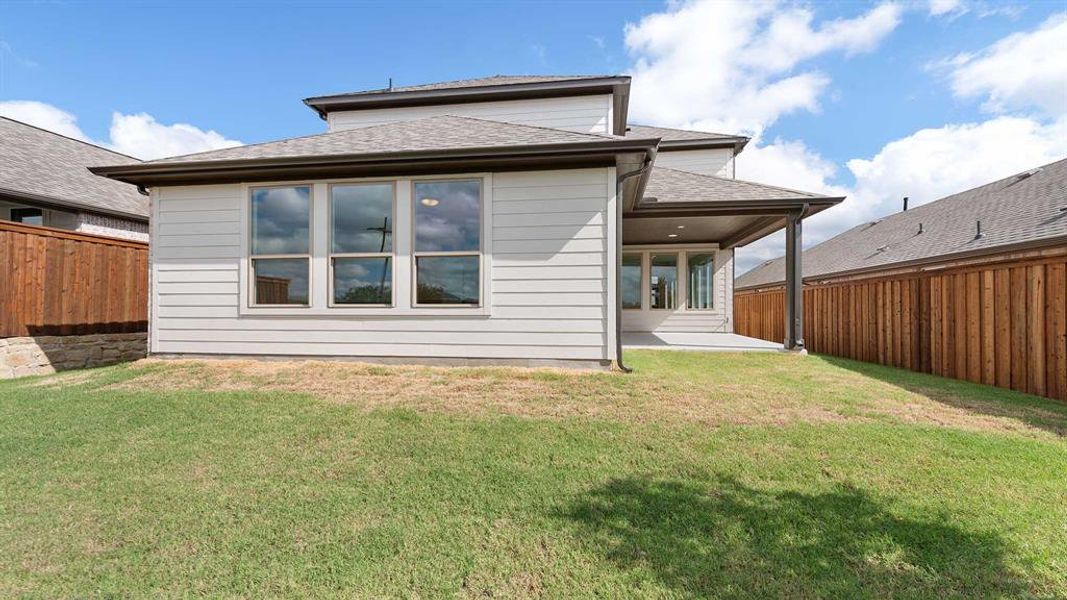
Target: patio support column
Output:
[(794, 282)]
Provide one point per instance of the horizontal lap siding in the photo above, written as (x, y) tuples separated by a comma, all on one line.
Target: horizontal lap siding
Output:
[(580, 113), (548, 289), (716, 161), (1001, 323)]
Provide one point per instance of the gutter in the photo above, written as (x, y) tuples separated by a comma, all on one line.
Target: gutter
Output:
[(737, 143), (640, 171), (235, 168)]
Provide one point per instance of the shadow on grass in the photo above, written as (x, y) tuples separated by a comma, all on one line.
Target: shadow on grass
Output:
[(1035, 411), (724, 539)]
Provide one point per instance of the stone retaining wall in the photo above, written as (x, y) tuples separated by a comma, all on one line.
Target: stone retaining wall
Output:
[(42, 355)]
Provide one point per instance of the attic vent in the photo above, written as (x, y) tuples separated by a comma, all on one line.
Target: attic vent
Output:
[(882, 248)]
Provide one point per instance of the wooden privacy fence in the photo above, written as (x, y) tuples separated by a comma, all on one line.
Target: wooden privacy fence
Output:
[(56, 282), (1001, 321)]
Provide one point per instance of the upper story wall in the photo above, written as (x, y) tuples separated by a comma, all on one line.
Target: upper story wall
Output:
[(718, 162), (586, 114)]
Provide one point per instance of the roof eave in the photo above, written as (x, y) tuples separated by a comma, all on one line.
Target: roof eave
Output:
[(569, 87), (324, 166), (770, 205), (737, 143)]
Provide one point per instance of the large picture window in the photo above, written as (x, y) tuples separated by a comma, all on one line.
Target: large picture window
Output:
[(701, 270), (280, 252), (361, 244), (448, 244), (631, 281)]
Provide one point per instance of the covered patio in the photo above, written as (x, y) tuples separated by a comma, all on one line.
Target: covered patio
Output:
[(676, 267)]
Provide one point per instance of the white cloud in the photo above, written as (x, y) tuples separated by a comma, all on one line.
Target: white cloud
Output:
[(933, 163), (925, 166), (1021, 71), (794, 165), (938, 8), (44, 116), (138, 135), (142, 136), (734, 66)]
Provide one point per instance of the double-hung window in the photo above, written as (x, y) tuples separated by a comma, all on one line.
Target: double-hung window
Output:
[(280, 252), (448, 242), (361, 244)]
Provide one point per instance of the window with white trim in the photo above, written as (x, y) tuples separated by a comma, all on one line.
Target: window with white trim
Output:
[(701, 268), (280, 240), (447, 247), (361, 244), (663, 281)]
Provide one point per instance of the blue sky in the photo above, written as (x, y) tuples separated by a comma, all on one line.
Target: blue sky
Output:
[(241, 69)]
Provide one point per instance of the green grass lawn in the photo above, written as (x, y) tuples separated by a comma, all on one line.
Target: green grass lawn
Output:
[(758, 475)]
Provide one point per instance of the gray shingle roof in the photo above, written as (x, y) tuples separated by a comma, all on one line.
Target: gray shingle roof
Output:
[(1018, 209), (443, 132), (36, 162), (668, 134), (492, 81), (672, 185)]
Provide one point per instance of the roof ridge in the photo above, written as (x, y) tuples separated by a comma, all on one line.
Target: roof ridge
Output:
[(67, 137), (391, 124)]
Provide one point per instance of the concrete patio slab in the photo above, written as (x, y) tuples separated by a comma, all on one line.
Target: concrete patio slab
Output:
[(700, 342)]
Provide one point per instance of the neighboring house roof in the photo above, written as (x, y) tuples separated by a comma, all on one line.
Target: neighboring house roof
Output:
[(483, 89), (667, 185), (439, 137), (1026, 208), (687, 139), (46, 168)]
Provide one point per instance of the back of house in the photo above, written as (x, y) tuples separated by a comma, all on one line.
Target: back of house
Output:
[(458, 222)]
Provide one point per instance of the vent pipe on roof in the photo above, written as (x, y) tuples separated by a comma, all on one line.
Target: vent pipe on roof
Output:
[(920, 227), (390, 84), (905, 203), (978, 231)]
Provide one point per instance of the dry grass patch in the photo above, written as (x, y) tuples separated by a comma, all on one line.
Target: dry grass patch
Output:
[(707, 389)]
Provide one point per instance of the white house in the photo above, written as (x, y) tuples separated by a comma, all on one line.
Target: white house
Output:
[(504, 219)]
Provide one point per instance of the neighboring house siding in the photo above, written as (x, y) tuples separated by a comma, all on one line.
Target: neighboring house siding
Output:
[(586, 114), (112, 227), (85, 222), (548, 295), (716, 161), (718, 319)]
